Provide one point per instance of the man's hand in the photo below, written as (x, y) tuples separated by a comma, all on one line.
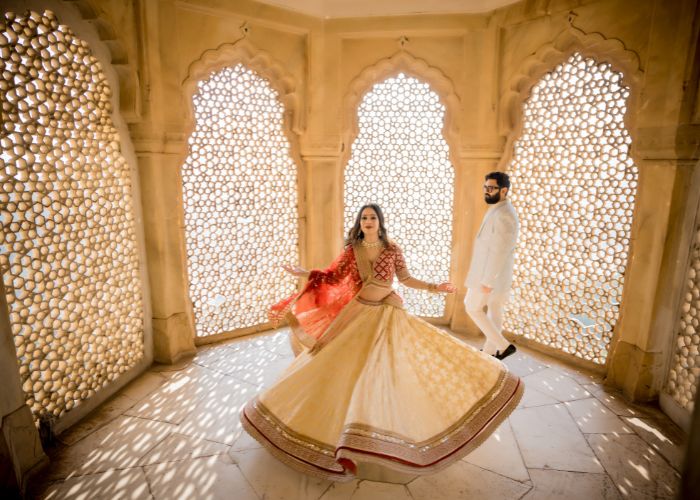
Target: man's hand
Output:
[(486, 290)]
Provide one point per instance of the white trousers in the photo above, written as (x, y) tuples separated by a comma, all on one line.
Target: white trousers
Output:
[(490, 322)]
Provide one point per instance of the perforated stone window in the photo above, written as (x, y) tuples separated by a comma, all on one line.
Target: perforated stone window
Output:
[(574, 186), (684, 372), (240, 200), (68, 248), (400, 160)]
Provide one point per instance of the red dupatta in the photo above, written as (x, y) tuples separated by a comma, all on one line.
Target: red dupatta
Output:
[(312, 310)]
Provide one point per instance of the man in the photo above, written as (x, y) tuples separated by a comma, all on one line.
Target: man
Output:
[(491, 270)]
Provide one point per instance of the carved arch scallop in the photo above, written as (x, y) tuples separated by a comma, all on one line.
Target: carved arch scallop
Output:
[(244, 52), (401, 62), (534, 67)]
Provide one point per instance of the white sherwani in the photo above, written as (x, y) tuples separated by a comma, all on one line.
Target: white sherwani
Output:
[(492, 258), (492, 266)]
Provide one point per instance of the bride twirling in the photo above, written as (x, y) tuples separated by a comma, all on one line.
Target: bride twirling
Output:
[(371, 383)]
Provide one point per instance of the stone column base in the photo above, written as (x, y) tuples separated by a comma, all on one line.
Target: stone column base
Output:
[(21, 453), (637, 373), (172, 339)]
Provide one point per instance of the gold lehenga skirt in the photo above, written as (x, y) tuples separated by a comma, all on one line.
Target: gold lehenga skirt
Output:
[(388, 389)]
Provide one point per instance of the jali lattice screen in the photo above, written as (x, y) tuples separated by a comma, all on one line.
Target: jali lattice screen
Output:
[(240, 198), (68, 248), (400, 160), (574, 186), (684, 371)]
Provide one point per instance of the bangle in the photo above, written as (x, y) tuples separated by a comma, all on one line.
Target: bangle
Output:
[(432, 287)]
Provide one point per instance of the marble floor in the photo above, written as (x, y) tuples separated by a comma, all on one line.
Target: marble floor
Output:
[(173, 433)]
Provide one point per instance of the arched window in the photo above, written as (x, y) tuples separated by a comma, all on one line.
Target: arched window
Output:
[(400, 160), (240, 201), (574, 186), (68, 251)]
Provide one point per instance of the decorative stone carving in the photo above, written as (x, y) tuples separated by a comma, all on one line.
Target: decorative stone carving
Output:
[(239, 190), (574, 187), (399, 125), (684, 373), (68, 248)]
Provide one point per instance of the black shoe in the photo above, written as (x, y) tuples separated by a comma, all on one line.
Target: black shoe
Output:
[(509, 350)]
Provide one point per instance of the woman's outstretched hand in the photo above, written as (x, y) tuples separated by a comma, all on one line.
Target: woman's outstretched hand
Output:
[(446, 287), (295, 270)]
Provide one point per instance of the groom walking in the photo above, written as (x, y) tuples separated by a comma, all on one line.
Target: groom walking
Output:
[(491, 270)]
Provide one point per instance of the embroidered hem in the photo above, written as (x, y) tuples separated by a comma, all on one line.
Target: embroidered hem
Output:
[(362, 443)]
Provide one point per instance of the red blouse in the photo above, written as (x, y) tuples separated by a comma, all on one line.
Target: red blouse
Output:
[(327, 291)]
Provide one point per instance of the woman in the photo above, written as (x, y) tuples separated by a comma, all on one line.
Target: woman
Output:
[(373, 384)]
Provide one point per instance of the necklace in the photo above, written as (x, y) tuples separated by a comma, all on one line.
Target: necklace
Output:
[(374, 244)]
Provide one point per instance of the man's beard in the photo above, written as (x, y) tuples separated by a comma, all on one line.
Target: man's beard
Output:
[(493, 199)]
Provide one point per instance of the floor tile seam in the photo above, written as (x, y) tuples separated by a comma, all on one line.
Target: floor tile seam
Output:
[(410, 494), (539, 406), (255, 348), (570, 471), (257, 386), (148, 483), (604, 417), (525, 493), (166, 422), (158, 442), (610, 408), (501, 475), (272, 351), (180, 433), (588, 445), (210, 440), (558, 401), (221, 372), (583, 435), (137, 401), (607, 432), (193, 391), (517, 444), (238, 380), (96, 472), (122, 414), (576, 377), (607, 472), (326, 491), (262, 495), (529, 374), (187, 457), (125, 414), (170, 369), (627, 406), (590, 394)]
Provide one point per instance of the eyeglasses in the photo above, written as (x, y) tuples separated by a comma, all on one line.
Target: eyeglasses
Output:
[(491, 189)]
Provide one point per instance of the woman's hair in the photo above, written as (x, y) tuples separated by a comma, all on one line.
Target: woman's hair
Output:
[(355, 235)]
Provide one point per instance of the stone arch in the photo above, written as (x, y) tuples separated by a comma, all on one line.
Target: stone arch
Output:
[(244, 53), (442, 88), (400, 62), (110, 150), (545, 60), (534, 67)]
